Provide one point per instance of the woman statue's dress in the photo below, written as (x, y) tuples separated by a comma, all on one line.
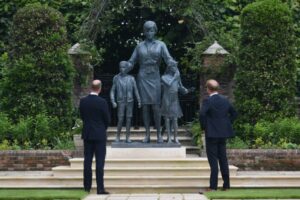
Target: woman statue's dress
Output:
[(149, 56)]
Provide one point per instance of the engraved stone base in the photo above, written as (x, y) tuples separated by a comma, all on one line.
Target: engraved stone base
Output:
[(145, 153), (144, 145)]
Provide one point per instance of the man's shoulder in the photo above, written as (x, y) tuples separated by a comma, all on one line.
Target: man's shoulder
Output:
[(224, 98), (220, 98), (101, 100), (84, 98)]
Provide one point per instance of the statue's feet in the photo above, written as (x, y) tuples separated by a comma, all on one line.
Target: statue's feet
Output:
[(169, 141), (128, 141), (117, 140), (160, 140), (177, 141), (146, 140)]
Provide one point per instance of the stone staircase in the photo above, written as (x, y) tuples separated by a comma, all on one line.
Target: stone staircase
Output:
[(148, 175), (148, 170)]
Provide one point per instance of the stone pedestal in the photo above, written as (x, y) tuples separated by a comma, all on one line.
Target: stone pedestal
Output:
[(145, 153)]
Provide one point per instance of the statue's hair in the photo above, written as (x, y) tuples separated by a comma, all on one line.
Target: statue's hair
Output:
[(150, 24), (123, 62)]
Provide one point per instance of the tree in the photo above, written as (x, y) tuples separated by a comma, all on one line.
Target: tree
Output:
[(266, 76), (39, 75)]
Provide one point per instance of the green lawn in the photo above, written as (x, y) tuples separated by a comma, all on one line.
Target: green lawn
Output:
[(255, 194), (41, 194)]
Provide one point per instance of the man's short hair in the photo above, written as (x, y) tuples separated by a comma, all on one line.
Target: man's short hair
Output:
[(212, 85), (96, 85)]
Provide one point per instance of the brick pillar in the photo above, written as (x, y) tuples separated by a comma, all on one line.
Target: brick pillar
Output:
[(84, 72), (213, 59)]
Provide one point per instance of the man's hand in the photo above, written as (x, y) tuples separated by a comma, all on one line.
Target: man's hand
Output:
[(114, 104), (139, 104)]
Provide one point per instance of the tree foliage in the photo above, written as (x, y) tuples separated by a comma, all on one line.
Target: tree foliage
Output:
[(266, 76), (39, 76), (74, 12)]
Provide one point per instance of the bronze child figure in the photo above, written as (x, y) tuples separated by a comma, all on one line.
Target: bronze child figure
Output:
[(170, 107), (123, 87)]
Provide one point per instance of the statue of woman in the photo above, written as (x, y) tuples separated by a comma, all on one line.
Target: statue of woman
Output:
[(148, 54)]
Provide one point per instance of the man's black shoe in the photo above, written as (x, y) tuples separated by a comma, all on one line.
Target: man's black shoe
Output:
[(87, 190), (102, 192), (206, 190)]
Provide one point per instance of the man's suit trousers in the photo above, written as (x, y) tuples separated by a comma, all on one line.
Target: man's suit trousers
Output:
[(99, 149), (216, 154)]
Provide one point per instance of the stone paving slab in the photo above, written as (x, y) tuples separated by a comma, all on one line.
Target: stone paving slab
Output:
[(146, 197)]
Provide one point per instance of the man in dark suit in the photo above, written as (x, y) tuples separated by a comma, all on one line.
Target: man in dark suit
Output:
[(96, 118), (216, 118)]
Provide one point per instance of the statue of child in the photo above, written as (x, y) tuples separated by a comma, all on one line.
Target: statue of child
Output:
[(123, 87), (170, 107)]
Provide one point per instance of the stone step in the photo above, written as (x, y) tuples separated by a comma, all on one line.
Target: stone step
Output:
[(142, 163), (150, 189), (137, 171), (127, 183), (147, 196), (193, 150)]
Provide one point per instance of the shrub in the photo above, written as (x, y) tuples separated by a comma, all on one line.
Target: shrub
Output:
[(64, 141), (237, 143), (39, 77), (279, 131), (23, 130), (266, 76), (5, 127), (196, 131), (36, 132)]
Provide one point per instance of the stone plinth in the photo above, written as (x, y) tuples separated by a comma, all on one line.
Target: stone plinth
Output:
[(144, 145), (145, 153)]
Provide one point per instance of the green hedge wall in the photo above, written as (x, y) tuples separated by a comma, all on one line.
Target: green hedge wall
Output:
[(39, 76), (266, 76)]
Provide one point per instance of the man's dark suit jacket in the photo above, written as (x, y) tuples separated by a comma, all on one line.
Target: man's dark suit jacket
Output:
[(96, 118), (217, 116)]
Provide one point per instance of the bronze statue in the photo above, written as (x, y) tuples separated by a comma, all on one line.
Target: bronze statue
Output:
[(148, 54), (170, 107), (124, 86)]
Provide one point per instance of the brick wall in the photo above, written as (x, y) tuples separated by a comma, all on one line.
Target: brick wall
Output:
[(265, 159), (39, 160), (249, 159)]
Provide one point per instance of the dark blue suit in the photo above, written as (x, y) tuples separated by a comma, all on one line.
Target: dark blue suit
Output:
[(96, 118), (216, 118)]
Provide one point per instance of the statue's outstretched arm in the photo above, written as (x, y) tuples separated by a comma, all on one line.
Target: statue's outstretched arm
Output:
[(133, 59)]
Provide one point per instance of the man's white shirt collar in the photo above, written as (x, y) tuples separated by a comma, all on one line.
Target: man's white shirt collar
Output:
[(94, 93), (213, 94)]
